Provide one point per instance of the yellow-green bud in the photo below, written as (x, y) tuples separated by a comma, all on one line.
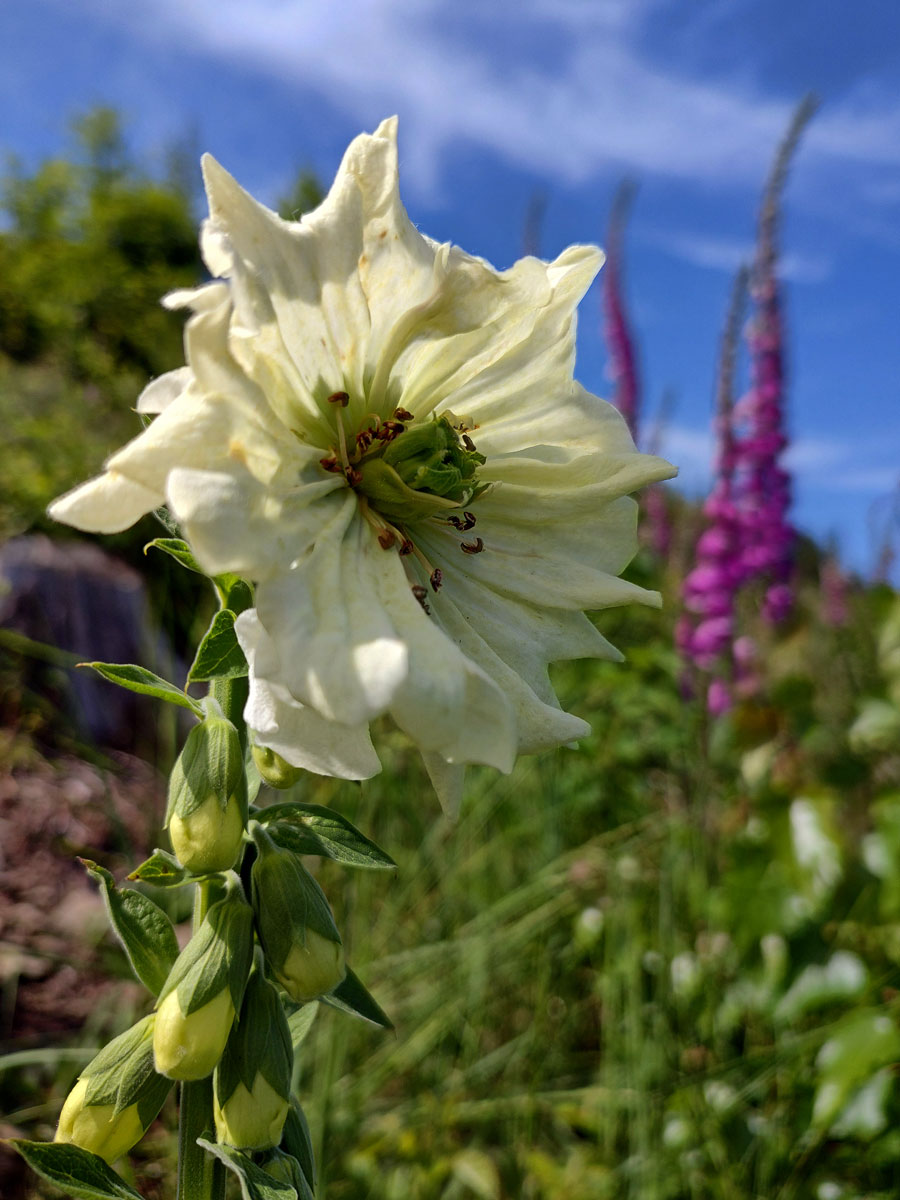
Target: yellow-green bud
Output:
[(207, 806), (209, 838), (203, 991), (252, 1087), (97, 1127), (251, 1120), (275, 770), (294, 922), (117, 1096), (313, 968), (189, 1046)]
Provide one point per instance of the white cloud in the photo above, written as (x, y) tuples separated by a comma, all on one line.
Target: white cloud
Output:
[(727, 254), (448, 67)]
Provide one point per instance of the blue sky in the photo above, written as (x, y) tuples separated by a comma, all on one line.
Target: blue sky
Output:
[(496, 100)]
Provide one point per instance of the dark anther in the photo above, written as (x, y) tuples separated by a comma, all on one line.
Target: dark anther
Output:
[(437, 578), (468, 522), (400, 414), (389, 430), (330, 463), (364, 439), (341, 398), (354, 477), (475, 547), (420, 593), (467, 442), (406, 547), (386, 539)]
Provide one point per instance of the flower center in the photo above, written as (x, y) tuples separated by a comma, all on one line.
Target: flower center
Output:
[(405, 475)]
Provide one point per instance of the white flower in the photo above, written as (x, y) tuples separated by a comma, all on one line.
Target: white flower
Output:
[(384, 435)]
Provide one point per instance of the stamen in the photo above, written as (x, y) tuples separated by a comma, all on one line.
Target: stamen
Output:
[(463, 523), (437, 578), (406, 547), (341, 398), (475, 547), (467, 442), (331, 463), (400, 414), (387, 538), (420, 594)]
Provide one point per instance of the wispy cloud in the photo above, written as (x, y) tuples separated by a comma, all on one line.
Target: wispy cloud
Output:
[(727, 254), (558, 86)]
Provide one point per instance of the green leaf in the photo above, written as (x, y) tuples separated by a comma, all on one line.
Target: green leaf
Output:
[(77, 1172), (142, 927), (162, 869), (319, 830), (219, 655), (139, 679), (350, 996), (178, 549), (300, 1022), (256, 1184)]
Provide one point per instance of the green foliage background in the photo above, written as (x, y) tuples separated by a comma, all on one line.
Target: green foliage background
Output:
[(664, 965)]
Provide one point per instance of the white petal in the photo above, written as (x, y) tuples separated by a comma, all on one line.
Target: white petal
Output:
[(447, 703), (447, 780), (299, 734), (160, 392), (336, 645), (234, 523), (107, 504)]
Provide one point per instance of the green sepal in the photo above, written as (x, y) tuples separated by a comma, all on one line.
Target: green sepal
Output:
[(219, 655), (259, 1044), (300, 1019), (296, 1141), (178, 549), (350, 996), (219, 955), (256, 1184), (314, 829), (162, 869), (286, 899), (210, 763), (144, 930), (122, 1074), (233, 591), (76, 1172), (139, 679), (286, 1168)]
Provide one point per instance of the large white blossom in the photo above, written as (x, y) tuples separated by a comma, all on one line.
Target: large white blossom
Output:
[(383, 434)]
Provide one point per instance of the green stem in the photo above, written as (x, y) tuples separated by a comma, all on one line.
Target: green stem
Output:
[(200, 1176)]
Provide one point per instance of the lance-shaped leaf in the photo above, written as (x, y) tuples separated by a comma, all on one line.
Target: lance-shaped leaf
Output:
[(162, 869), (256, 1184), (219, 656), (139, 679), (350, 996), (313, 829), (143, 928), (76, 1172)]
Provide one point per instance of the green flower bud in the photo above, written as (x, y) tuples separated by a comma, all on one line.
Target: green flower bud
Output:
[(188, 1046), (251, 1094), (312, 968), (276, 771), (117, 1097), (210, 837), (203, 991), (207, 807), (294, 922)]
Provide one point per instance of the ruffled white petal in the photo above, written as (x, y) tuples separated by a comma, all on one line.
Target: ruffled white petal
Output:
[(160, 392), (299, 734), (107, 504)]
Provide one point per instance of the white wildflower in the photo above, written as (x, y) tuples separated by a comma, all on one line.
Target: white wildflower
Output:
[(383, 434)]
